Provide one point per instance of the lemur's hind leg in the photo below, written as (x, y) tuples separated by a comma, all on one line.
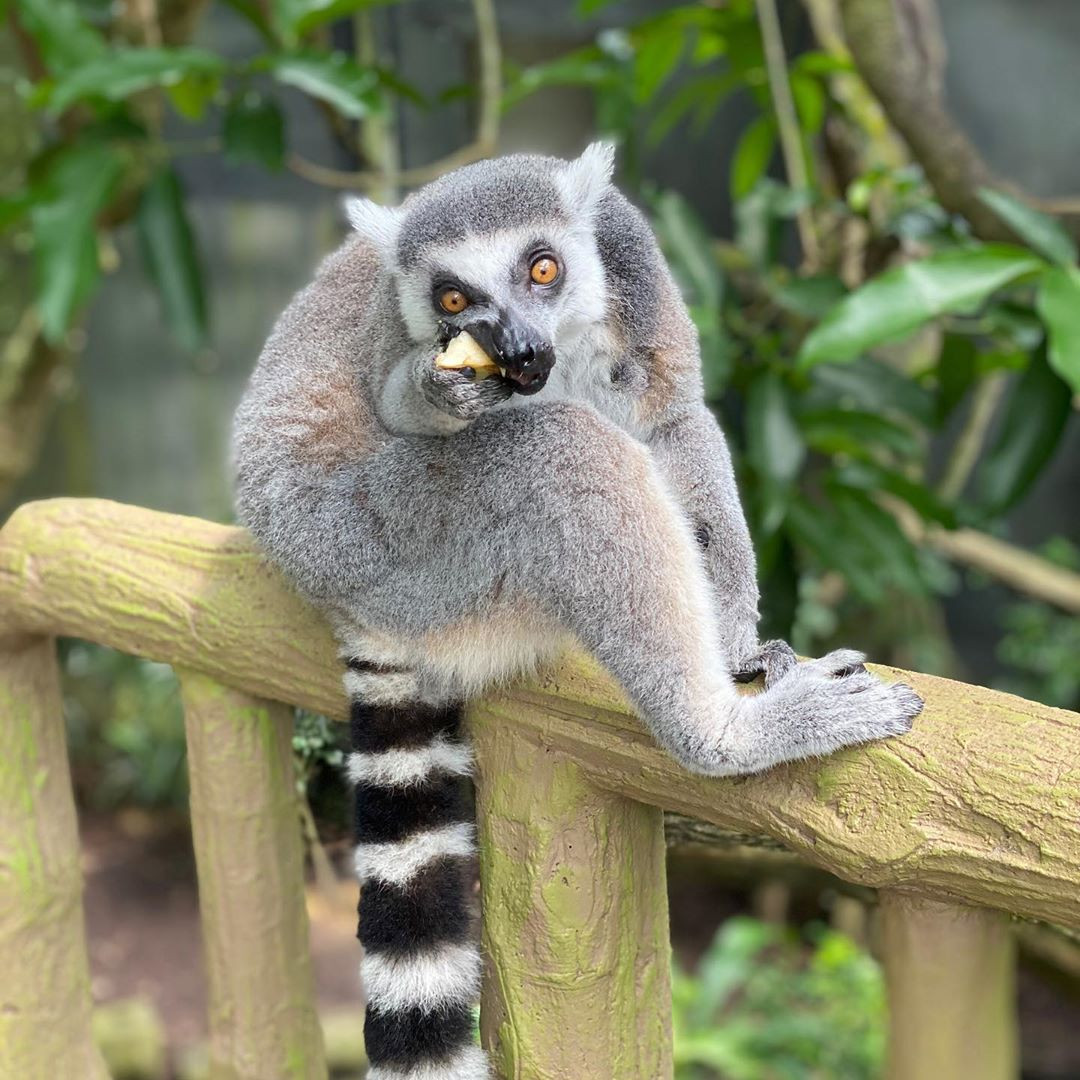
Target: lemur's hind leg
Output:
[(553, 512)]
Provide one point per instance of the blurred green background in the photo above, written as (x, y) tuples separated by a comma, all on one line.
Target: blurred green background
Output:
[(872, 208)]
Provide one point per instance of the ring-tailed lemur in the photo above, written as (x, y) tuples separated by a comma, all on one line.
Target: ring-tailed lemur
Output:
[(459, 530)]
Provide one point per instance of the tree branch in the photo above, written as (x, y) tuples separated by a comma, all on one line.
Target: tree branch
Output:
[(888, 41), (487, 126), (787, 121), (1021, 570)]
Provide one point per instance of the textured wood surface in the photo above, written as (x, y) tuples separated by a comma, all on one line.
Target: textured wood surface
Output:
[(576, 933), (979, 804), (44, 975), (951, 977), (246, 833)]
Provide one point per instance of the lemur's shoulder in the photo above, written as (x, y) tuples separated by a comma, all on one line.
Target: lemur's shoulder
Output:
[(659, 336)]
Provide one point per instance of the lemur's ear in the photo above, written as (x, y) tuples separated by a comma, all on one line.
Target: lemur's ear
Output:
[(585, 179), (379, 225)]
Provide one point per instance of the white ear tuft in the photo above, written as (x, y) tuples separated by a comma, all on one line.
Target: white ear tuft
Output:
[(585, 179), (379, 225)]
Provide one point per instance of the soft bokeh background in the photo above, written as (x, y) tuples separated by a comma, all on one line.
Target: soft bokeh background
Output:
[(172, 170)]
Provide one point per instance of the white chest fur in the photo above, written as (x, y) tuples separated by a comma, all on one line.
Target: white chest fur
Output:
[(583, 373)]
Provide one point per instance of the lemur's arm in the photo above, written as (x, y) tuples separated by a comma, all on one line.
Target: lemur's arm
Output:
[(694, 458)]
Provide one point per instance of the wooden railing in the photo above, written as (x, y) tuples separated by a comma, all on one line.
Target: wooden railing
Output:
[(975, 813)]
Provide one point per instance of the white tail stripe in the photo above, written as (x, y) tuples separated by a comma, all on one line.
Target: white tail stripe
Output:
[(427, 980), (399, 768), (469, 1063), (381, 687), (395, 863)]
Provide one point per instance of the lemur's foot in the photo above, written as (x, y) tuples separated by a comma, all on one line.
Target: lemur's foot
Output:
[(843, 704)]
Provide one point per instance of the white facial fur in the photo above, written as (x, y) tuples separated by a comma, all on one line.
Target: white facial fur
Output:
[(496, 266)]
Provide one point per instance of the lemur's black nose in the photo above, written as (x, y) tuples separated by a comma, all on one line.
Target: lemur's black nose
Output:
[(526, 359), (529, 368)]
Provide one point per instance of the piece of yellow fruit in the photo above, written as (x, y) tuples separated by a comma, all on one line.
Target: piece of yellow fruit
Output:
[(464, 352)]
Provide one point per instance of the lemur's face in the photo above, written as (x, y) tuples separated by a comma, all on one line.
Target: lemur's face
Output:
[(528, 291), (505, 249)]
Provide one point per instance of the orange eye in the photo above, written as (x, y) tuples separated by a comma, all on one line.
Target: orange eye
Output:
[(544, 270), (453, 301)]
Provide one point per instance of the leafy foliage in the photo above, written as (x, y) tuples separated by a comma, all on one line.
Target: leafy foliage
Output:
[(101, 104), (925, 321), (1040, 643), (764, 1005), (125, 728)]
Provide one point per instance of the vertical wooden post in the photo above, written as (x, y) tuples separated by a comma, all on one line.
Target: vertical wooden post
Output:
[(577, 979), (263, 1023), (950, 972), (44, 974)]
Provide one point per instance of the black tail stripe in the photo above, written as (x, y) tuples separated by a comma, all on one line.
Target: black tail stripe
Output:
[(434, 906), (432, 909), (409, 1037), (389, 815), (375, 728)]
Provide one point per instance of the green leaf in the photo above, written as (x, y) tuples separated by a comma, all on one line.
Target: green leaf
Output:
[(753, 153), (351, 88), (295, 18), (876, 531), (774, 444), (855, 433), (585, 67), (123, 72), (254, 131), (810, 102), (876, 387), (585, 8), (903, 299), (1034, 418), (957, 371), (1043, 232), (253, 11), (15, 207), (809, 297), (873, 478), (192, 94), (390, 80), (78, 185), (656, 59), (64, 38), (689, 248), (168, 248), (1059, 306), (709, 89), (814, 526)]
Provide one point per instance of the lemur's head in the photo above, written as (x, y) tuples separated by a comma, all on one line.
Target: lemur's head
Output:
[(509, 243)]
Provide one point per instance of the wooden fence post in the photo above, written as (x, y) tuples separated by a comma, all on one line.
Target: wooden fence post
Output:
[(576, 940), (950, 972), (45, 980), (263, 1023)]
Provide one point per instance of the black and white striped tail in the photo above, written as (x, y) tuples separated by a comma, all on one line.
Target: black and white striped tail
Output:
[(414, 842)]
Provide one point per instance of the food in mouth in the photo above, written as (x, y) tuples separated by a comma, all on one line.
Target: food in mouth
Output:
[(463, 351)]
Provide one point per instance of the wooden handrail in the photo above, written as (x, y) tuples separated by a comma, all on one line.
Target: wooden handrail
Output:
[(977, 808), (980, 803)]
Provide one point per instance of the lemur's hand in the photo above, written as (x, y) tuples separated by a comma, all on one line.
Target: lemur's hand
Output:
[(459, 393)]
